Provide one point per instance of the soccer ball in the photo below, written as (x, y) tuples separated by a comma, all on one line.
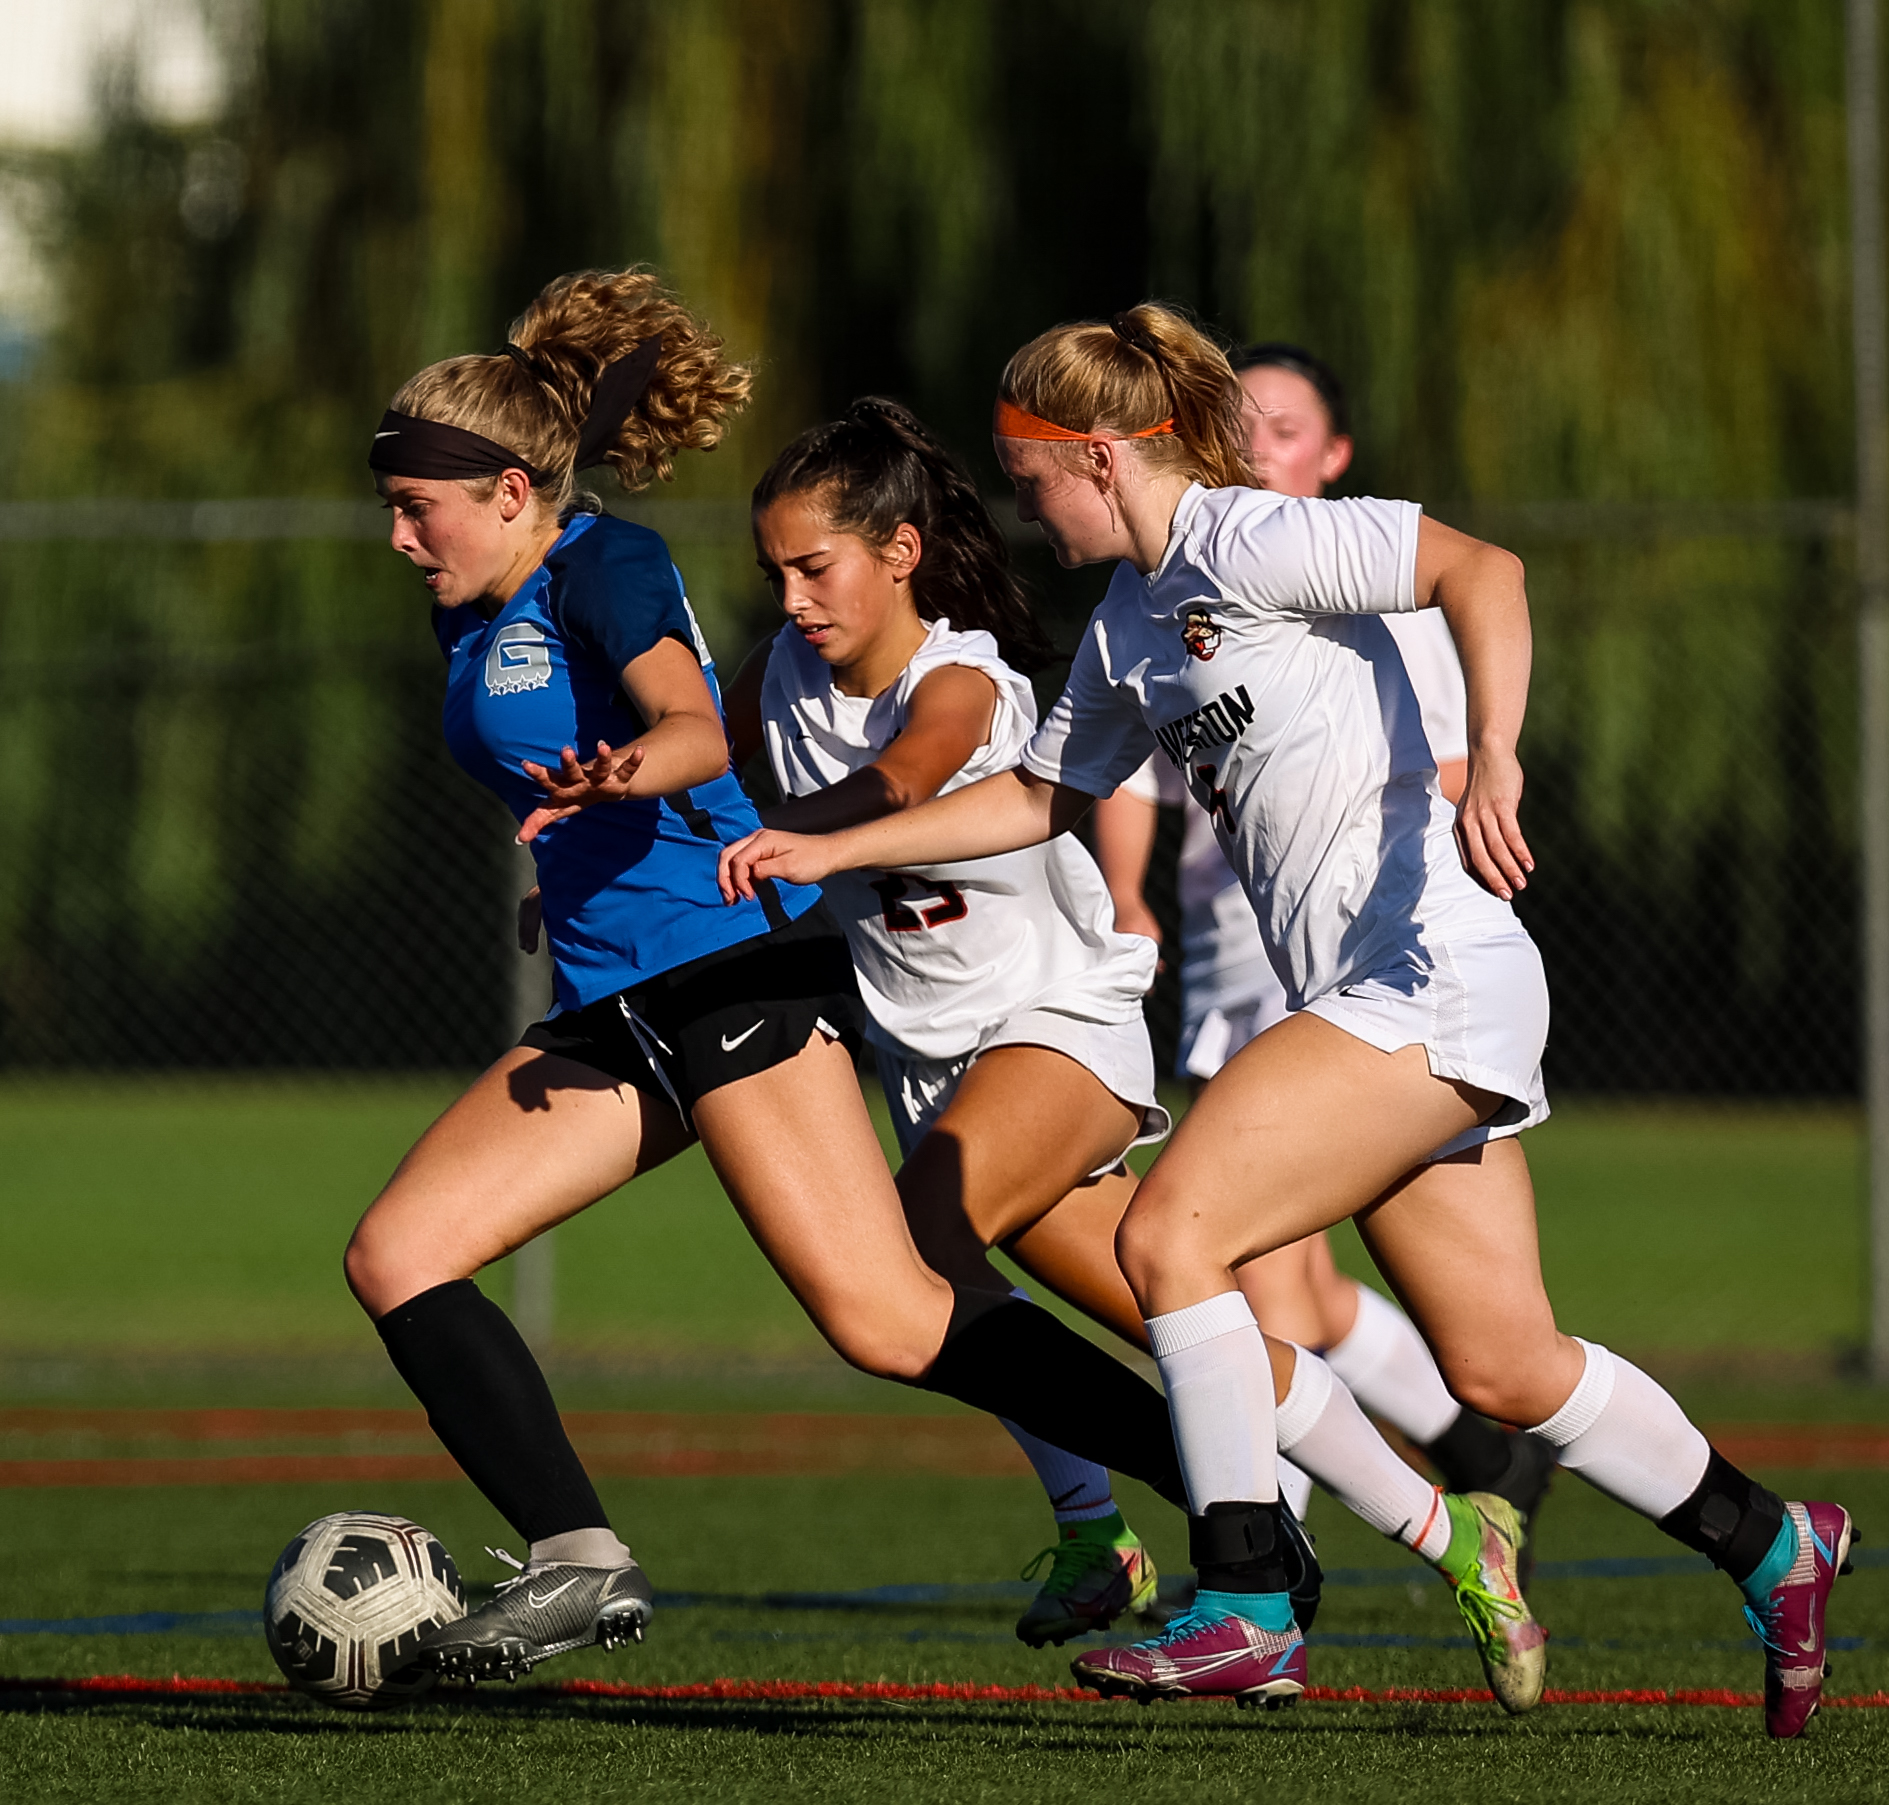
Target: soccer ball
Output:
[(348, 1603)]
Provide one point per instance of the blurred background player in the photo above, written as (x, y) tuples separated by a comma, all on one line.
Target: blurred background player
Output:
[(1298, 433)]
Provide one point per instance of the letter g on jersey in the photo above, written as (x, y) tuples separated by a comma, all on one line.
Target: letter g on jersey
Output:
[(518, 660)]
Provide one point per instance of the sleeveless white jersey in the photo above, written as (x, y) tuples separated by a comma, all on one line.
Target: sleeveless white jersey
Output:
[(1253, 656), (947, 953)]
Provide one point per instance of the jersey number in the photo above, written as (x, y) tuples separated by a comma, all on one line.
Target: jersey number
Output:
[(950, 905)]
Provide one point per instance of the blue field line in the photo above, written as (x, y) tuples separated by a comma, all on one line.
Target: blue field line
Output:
[(917, 1597), (139, 1623)]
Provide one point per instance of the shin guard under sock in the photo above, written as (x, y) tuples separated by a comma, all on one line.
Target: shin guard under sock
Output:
[(1018, 1361), (488, 1403), (1730, 1519)]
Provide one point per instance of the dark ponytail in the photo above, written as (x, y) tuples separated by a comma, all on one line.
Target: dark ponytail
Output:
[(877, 467)]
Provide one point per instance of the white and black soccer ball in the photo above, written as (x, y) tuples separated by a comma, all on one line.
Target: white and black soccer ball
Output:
[(348, 1603)]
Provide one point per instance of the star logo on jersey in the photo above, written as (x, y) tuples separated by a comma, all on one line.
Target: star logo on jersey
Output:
[(517, 661), (1200, 634)]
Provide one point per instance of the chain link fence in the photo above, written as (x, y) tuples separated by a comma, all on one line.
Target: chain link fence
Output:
[(238, 841)]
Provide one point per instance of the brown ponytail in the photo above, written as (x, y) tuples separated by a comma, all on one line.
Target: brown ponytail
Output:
[(1148, 364), (533, 397), (880, 465)]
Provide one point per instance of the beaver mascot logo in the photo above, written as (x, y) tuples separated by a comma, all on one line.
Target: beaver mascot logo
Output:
[(1200, 634)]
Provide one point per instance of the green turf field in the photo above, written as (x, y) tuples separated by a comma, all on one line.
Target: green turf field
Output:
[(179, 1243), (211, 1218)]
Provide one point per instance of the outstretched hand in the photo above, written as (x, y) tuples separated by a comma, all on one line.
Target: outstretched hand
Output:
[(1488, 830), (792, 858), (574, 785)]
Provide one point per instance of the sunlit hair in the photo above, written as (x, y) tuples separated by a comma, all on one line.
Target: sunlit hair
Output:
[(579, 324), (878, 467), (1126, 374)]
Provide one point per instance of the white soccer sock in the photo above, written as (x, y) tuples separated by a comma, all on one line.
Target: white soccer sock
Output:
[(579, 1548), (1078, 1490), (1219, 1385), (1626, 1437), (1295, 1487), (1391, 1372), (1322, 1428)]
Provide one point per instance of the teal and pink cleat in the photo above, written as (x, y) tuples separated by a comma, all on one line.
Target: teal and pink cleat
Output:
[(1208, 1653), (1789, 1618)]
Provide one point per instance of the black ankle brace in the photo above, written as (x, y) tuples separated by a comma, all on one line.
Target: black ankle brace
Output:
[(1238, 1547), (1730, 1518)]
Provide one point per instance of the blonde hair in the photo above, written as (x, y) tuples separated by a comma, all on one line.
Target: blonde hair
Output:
[(1148, 364), (577, 326)]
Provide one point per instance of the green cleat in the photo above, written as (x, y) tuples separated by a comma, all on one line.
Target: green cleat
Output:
[(1480, 1565), (1097, 1571)]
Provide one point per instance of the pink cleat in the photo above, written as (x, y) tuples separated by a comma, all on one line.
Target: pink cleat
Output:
[(1790, 1621), (1205, 1654)]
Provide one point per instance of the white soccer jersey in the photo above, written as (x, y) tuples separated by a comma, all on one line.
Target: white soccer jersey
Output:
[(1253, 656), (946, 953), (1223, 963)]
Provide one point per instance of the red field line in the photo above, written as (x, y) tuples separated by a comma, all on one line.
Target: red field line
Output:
[(157, 1447), (867, 1691), (613, 1443)]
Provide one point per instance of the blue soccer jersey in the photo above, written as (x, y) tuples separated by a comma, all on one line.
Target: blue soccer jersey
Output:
[(628, 888)]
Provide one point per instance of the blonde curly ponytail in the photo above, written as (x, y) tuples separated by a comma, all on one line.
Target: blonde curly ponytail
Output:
[(534, 397)]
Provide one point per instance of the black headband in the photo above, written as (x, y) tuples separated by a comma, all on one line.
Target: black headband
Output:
[(433, 451)]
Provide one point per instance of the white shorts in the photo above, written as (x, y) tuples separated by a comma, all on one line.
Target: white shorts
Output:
[(1479, 1010), (1118, 1053), (1229, 991)]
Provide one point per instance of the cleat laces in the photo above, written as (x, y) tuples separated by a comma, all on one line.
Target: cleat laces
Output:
[(1764, 1625), (516, 1580), (1485, 1612), (1068, 1561), (1194, 1621)]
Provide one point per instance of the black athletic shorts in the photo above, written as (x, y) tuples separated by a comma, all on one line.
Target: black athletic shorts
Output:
[(724, 1016)]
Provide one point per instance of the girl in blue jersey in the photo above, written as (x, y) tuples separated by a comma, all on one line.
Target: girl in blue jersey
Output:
[(676, 1017)]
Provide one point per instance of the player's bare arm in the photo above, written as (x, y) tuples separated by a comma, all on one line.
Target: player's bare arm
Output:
[(1001, 814), (1480, 589), (682, 746), (948, 719), (1124, 845)]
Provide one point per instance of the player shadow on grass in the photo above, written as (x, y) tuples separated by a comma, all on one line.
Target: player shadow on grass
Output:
[(279, 1715)]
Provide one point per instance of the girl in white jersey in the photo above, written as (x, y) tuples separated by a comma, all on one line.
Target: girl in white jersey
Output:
[(1003, 1010), (1240, 635), (1298, 436)]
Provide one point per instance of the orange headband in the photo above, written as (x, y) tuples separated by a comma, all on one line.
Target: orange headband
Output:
[(1014, 423)]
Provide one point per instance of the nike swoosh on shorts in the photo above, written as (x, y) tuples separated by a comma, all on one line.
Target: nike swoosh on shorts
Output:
[(728, 1046)]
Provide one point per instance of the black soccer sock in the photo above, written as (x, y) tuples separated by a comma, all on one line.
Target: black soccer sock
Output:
[(1472, 1454), (488, 1402), (1016, 1360), (1238, 1548), (1730, 1519)]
